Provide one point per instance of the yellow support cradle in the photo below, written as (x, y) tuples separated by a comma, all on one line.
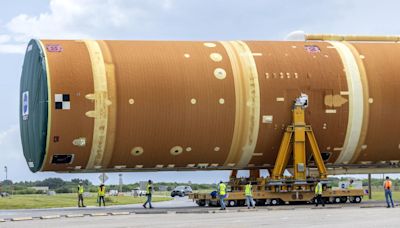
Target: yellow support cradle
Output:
[(294, 139)]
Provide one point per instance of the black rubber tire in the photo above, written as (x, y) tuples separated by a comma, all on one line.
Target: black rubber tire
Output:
[(343, 199), (201, 203), (232, 203), (275, 202), (357, 199), (241, 203), (336, 200), (260, 202)]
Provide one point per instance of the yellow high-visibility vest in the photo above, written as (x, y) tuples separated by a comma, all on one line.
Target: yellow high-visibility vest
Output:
[(247, 190), (148, 189), (222, 189), (80, 189), (318, 189), (102, 191)]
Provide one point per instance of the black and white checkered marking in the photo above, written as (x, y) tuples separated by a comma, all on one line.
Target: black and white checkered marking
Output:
[(62, 101)]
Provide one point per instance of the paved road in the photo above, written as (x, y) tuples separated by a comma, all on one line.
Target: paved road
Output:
[(299, 218), (178, 204), (182, 212)]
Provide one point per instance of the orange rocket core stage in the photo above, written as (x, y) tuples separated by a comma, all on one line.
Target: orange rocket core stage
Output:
[(178, 105)]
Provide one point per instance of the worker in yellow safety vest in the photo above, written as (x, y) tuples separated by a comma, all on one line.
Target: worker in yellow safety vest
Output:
[(387, 185), (101, 194), (80, 194), (222, 194), (318, 194), (149, 192), (248, 191)]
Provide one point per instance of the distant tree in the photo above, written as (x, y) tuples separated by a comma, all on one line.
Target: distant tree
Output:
[(84, 181), (52, 183), (6, 182)]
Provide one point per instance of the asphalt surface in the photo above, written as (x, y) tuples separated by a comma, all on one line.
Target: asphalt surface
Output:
[(177, 203), (182, 212), (299, 218)]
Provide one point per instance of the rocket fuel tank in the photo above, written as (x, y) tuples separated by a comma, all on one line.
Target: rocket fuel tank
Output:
[(90, 105)]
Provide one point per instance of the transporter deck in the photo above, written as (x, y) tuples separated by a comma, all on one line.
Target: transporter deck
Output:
[(267, 197)]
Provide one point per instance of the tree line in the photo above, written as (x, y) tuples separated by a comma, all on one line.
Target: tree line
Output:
[(62, 186)]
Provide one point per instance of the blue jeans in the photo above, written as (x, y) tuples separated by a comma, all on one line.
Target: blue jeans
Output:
[(250, 201), (221, 201), (148, 201), (388, 194)]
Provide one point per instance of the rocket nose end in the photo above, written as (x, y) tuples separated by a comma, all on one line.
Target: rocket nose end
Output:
[(34, 106)]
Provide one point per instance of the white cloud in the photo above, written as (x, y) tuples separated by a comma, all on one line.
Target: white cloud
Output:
[(4, 38), (12, 48), (80, 19), (6, 47), (7, 134), (296, 36), (76, 19), (11, 150)]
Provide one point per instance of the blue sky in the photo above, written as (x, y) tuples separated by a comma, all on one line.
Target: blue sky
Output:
[(21, 20)]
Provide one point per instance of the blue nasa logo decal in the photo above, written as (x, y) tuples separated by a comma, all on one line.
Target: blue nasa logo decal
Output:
[(25, 105)]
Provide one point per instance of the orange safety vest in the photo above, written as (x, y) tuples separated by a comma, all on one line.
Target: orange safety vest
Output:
[(387, 184)]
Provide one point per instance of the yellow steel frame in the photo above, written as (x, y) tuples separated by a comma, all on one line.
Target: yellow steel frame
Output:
[(294, 139)]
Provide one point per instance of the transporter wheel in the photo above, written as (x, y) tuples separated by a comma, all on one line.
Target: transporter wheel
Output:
[(356, 199), (201, 203), (241, 203), (274, 202), (343, 199), (337, 200), (232, 203), (260, 202)]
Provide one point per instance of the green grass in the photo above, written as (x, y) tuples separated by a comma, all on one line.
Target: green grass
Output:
[(67, 200), (380, 195)]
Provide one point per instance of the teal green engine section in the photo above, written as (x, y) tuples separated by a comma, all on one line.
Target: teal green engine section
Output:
[(34, 106)]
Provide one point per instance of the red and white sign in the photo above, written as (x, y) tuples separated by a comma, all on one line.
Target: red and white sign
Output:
[(54, 48)]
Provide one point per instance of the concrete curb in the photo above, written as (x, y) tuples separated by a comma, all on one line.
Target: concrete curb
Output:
[(121, 213), (192, 212), (322, 208), (74, 216), (151, 212), (281, 209), (373, 206), (50, 217), (21, 219), (98, 214), (219, 211), (247, 210)]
